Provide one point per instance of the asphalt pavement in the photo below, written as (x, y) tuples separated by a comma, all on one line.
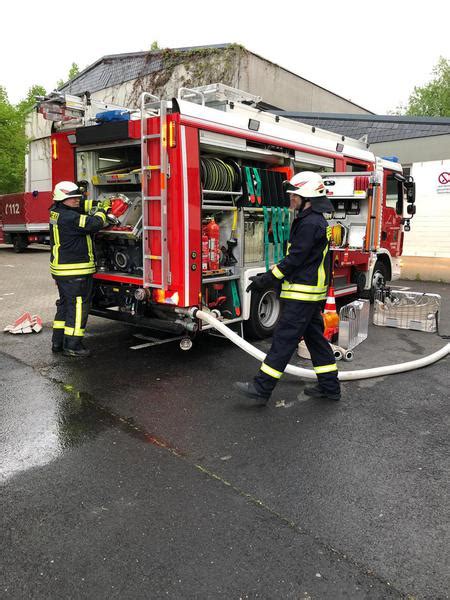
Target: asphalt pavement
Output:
[(142, 474)]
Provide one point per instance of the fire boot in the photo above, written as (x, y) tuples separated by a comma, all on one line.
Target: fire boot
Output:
[(248, 389), (57, 340), (316, 391), (73, 346)]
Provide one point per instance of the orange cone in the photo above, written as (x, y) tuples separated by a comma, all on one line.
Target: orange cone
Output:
[(330, 304), (330, 316)]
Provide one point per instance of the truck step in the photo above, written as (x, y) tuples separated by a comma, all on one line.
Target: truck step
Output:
[(345, 290)]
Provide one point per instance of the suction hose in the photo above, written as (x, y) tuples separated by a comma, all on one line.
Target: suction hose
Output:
[(308, 373)]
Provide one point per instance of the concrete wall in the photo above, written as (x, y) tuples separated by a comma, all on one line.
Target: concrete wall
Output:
[(436, 147), (420, 268), (288, 91)]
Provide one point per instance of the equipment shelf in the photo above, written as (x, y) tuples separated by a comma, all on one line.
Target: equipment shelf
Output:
[(117, 179), (119, 277), (218, 207), (222, 193), (220, 278)]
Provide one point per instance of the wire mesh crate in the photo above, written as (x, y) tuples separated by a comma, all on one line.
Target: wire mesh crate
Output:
[(353, 323), (407, 310)]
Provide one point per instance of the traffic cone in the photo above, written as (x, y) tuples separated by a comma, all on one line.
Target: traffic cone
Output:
[(330, 317), (330, 304)]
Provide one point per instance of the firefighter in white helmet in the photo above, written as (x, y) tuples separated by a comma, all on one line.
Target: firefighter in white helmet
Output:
[(304, 276), (72, 265)]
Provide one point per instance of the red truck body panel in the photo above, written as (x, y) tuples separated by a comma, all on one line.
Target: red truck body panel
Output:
[(25, 211)]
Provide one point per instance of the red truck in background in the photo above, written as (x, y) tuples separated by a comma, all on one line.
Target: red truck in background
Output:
[(24, 219)]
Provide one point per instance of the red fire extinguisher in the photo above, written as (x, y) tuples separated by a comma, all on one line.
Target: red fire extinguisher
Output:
[(205, 249), (212, 231)]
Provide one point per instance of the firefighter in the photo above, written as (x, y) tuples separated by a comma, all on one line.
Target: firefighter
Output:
[(72, 265), (304, 277)]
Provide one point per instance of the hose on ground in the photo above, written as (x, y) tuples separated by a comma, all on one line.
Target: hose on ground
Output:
[(309, 373)]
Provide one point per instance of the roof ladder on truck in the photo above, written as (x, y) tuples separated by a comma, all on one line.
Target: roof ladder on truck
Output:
[(155, 171)]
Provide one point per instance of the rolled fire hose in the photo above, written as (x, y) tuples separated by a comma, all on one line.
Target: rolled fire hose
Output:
[(309, 373)]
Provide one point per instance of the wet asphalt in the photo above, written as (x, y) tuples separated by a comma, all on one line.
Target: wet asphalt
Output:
[(142, 474)]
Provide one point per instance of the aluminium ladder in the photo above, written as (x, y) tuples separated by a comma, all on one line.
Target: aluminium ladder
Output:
[(154, 174)]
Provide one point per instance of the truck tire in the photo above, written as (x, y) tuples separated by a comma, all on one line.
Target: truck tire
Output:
[(19, 243), (379, 279), (264, 314)]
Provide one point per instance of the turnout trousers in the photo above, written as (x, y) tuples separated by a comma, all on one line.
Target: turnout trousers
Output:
[(72, 310), (298, 320)]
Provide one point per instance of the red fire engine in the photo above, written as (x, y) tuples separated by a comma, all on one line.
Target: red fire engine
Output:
[(202, 206)]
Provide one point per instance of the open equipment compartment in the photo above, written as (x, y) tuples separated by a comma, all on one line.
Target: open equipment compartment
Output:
[(113, 172), (245, 223)]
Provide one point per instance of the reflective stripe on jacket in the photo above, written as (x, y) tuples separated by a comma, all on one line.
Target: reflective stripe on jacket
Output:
[(72, 251), (305, 270)]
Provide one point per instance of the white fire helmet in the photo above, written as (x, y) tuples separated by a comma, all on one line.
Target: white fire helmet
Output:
[(66, 189), (306, 184), (310, 186)]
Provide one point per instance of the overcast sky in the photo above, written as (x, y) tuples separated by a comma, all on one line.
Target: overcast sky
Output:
[(372, 56)]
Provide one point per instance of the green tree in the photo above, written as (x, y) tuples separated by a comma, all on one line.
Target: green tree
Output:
[(28, 103), (73, 72), (13, 143), (154, 46), (432, 99)]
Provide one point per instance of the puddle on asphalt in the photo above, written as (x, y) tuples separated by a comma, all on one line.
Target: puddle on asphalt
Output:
[(62, 420)]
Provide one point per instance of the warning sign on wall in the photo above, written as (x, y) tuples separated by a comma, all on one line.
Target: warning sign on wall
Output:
[(444, 183)]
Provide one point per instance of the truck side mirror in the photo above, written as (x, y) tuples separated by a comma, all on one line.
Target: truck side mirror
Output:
[(400, 193), (398, 177), (410, 190)]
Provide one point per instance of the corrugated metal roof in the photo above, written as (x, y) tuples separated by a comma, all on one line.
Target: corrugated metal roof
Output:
[(118, 68), (378, 128)]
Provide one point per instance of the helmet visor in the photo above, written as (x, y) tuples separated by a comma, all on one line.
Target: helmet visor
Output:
[(289, 188)]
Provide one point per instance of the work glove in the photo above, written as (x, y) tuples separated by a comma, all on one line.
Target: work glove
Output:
[(261, 281), (104, 204), (111, 218)]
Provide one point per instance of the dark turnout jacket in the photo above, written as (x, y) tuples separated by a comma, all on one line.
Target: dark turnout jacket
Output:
[(305, 270), (72, 252)]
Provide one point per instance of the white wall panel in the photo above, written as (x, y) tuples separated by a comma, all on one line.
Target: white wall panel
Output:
[(430, 227)]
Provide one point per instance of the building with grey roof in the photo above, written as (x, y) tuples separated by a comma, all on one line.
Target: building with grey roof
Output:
[(121, 78)]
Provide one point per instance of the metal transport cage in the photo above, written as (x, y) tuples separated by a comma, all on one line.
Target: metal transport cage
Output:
[(407, 310)]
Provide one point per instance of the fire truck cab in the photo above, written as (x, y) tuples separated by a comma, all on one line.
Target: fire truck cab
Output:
[(202, 206)]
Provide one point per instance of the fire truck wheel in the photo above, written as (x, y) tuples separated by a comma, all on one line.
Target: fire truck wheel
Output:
[(19, 243), (264, 314), (379, 279)]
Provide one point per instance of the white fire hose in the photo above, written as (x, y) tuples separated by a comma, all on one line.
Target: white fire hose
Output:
[(309, 373)]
